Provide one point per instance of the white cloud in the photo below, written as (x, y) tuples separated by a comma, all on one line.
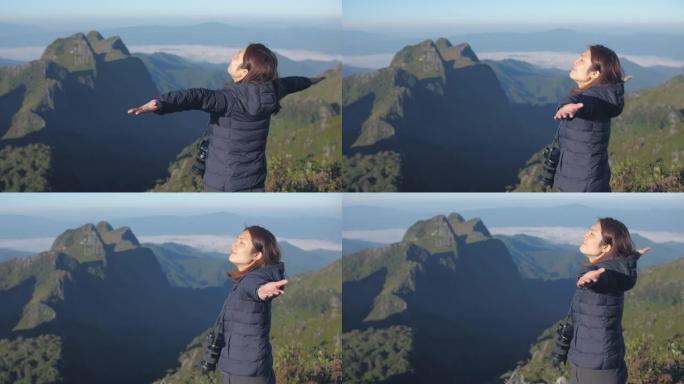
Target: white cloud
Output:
[(221, 55), (202, 53), (36, 245), (573, 235), (22, 53), (564, 60), (374, 61), (220, 243), (385, 236)]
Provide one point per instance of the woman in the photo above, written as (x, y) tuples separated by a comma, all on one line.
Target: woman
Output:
[(246, 357), (597, 349), (584, 130), (240, 115)]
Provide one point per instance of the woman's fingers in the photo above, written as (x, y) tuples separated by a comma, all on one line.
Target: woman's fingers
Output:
[(272, 289), (643, 250), (590, 277), (567, 111), (150, 106)]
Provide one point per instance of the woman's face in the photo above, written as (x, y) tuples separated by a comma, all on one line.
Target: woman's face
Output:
[(593, 246), (242, 252), (581, 71), (234, 69)]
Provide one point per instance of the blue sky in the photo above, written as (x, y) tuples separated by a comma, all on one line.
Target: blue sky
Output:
[(128, 12), (430, 201), (93, 206), (505, 14)]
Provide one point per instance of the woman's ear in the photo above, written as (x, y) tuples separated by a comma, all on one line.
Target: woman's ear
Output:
[(258, 256), (593, 75), (606, 248)]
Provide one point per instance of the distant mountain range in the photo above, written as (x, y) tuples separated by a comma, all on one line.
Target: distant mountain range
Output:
[(63, 122), (440, 304), (369, 217), (219, 223), (170, 72), (98, 291), (325, 40), (186, 266), (437, 119)]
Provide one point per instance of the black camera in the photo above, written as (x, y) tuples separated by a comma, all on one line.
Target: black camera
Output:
[(212, 352), (201, 157), (564, 335), (551, 157)]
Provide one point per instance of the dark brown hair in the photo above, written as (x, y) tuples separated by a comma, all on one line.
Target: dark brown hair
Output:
[(606, 61), (263, 241), (615, 234), (262, 66)]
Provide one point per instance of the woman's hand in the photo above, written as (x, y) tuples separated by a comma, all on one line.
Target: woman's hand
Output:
[(315, 80), (150, 106), (270, 290), (590, 277), (568, 111), (642, 251)]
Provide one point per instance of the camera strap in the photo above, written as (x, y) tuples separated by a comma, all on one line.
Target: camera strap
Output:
[(556, 137)]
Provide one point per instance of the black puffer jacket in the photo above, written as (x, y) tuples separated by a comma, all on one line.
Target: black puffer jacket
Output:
[(597, 315), (240, 115), (247, 325), (583, 164)]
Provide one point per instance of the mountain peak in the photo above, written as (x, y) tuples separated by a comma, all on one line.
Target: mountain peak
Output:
[(112, 48), (461, 55), (80, 52), (429, 58), (83, 243), (435, 235), (103, 226), (90, 243), (455, 218), (473, 230), (73, 53), (121, 238), (422, 60), (442, 234)]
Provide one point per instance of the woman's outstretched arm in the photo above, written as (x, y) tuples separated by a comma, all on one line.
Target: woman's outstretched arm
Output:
[(207, 100), (608, 280), (292, 84), (258, 289)]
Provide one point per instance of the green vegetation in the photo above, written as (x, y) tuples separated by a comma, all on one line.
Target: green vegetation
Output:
[(286, 174), (25, 168), (379, 172), (35, 360), (373, 355)]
